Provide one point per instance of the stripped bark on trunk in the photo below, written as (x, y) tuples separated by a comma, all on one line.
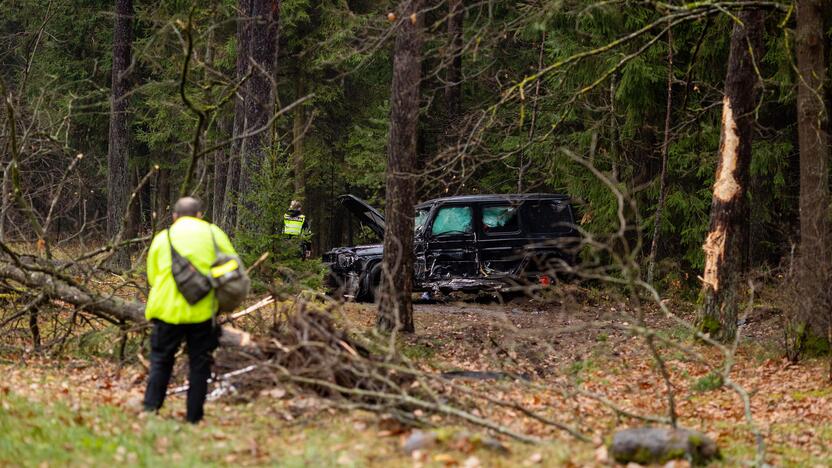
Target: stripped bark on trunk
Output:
[(723, 245), (395, 308)]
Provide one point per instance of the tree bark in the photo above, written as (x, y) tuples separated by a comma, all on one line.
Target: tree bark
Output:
[(395, 308), (118, 175), (259, 103), (723, 245), (228, 219), (812, 123)]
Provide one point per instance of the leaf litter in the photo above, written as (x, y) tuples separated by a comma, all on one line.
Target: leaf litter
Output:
[(791, 403)]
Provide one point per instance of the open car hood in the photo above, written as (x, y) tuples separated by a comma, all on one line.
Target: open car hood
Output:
[(365, 213)]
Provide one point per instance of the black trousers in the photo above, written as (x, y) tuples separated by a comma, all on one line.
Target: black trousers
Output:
[(201, 339)]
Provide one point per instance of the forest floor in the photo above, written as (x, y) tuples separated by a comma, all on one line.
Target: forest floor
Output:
[(84, 409)]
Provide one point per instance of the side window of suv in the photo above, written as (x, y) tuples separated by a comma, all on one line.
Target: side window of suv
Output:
[(501, 219), (453, 220), (547, 217)]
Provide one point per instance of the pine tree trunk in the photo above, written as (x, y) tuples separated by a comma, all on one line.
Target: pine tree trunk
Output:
[(723, 246), (395, 308), (228, 219), (118, 175), (259, 104), (812, 119)]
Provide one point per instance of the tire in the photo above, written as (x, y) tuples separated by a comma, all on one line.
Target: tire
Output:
[(370, 281), (334, 285)]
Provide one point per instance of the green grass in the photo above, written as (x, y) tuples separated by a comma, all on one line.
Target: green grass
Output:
[(580, 369), (418, 352), (708, 383), (34, 434)]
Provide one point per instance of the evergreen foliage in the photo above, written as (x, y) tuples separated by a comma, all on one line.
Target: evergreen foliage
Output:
[(337, 53)]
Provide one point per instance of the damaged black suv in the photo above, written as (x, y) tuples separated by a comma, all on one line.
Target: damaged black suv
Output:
[(465, 243)]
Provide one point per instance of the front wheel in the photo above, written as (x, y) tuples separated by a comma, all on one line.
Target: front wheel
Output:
[(370, 281)]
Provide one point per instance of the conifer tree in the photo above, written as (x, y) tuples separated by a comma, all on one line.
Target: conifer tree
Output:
[(118, 173), (395, 308), (812, 121)]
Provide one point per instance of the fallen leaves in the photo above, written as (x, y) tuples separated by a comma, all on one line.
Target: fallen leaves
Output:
[(791, 403)]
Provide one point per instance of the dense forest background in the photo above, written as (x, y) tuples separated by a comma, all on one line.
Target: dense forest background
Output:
[(249, 104)]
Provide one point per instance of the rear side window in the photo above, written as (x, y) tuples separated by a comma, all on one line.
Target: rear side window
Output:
[(500, 219), (453, 220), (548, 217), (421, 217)]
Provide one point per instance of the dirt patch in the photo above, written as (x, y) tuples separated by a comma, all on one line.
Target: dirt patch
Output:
[(524, 336)]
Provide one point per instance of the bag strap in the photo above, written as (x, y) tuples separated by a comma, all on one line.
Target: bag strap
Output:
[(173, 251)]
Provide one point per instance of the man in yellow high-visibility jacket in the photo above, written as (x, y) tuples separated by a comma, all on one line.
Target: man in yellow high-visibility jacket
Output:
[(294, 227), (173, 318)]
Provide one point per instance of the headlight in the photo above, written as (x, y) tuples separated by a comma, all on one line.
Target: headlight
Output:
[(345, 260)]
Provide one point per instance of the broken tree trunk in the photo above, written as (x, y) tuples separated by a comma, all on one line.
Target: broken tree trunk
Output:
[(110, 307), (723, 245)]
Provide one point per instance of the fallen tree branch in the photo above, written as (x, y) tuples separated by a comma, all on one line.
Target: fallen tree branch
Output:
[(108, 306)]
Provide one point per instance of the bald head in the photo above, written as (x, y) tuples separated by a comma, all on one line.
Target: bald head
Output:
[(187, 206)]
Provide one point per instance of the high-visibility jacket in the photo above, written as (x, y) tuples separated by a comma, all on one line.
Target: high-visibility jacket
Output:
[(191, 237), (293, 225)]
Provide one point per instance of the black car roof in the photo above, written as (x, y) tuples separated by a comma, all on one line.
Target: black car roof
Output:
[(494, 197)]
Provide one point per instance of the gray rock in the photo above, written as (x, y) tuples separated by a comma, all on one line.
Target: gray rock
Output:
[(649, 445), (419, 440)]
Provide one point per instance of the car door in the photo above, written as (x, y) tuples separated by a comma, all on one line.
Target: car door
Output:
[(501, 240), (450, 250), (550, 224)]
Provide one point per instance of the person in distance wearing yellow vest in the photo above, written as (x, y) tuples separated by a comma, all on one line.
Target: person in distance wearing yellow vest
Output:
[(294, 227), (174, 319)]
